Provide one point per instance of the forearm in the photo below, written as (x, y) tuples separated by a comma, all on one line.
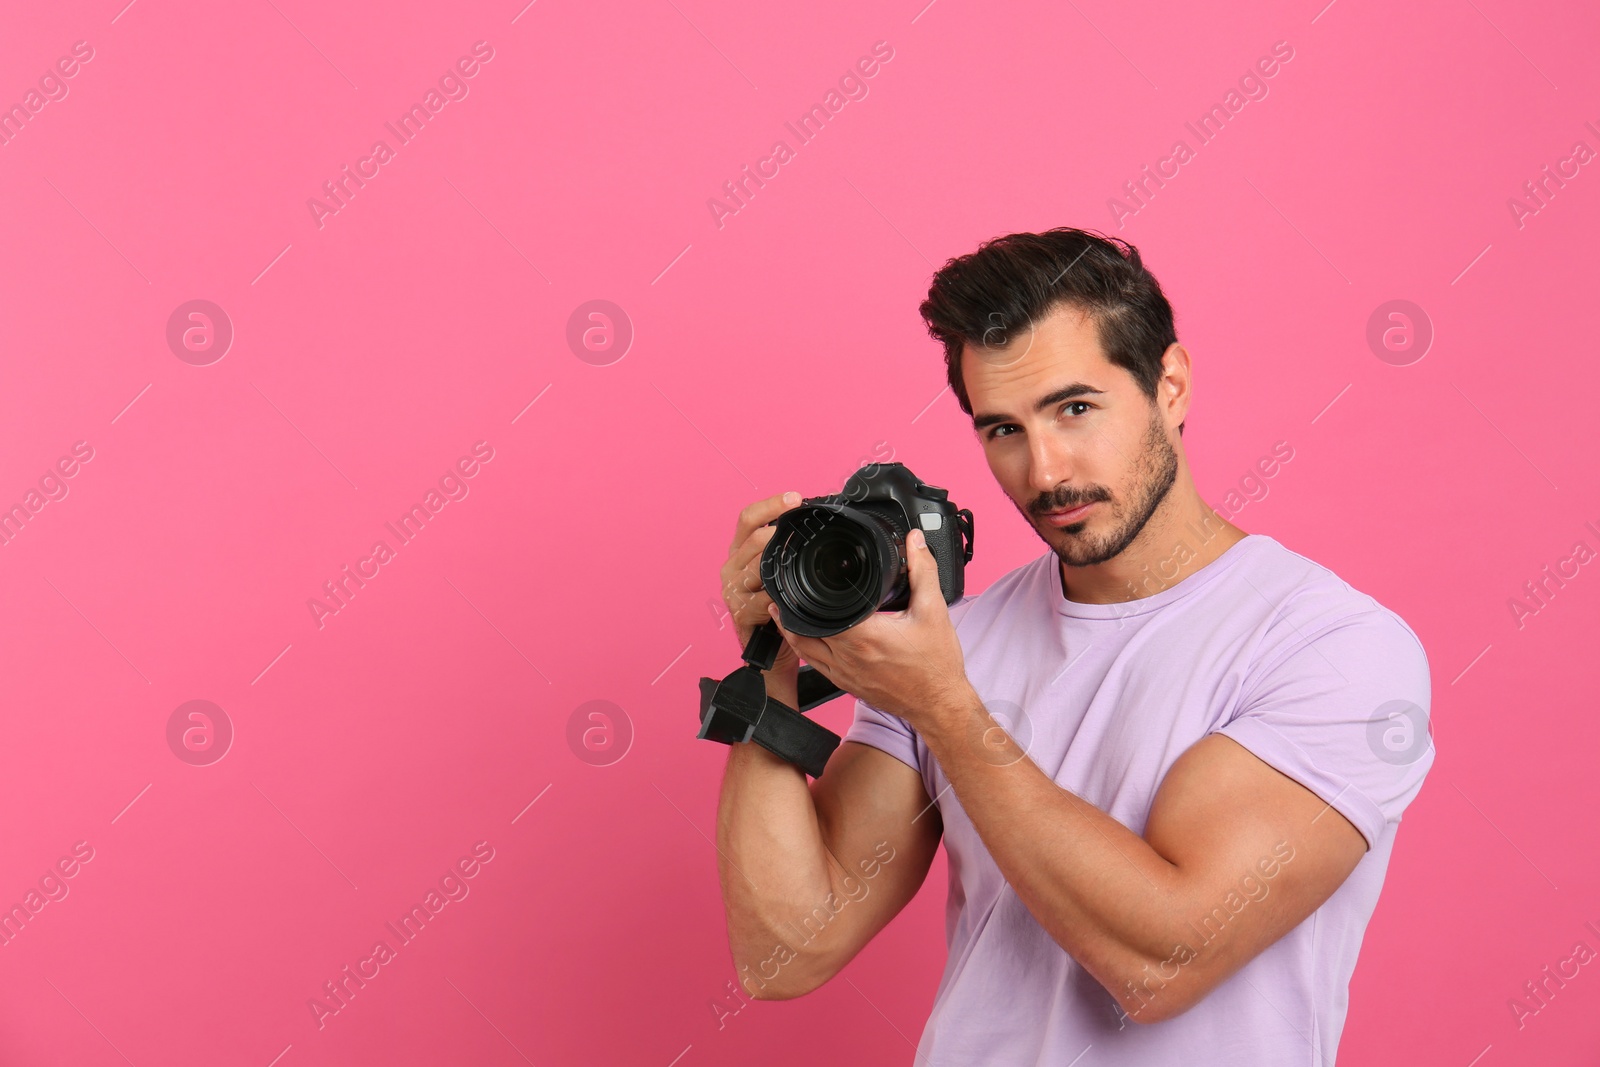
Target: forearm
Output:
[(1099, 889), (772, 862)]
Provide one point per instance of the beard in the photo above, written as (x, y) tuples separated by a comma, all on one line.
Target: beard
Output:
[(1153, 477)]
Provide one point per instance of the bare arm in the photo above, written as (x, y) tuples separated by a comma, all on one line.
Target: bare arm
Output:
[(812, 871), (1122, 904)]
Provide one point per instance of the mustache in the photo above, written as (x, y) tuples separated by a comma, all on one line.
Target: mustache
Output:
[(1059, 501)]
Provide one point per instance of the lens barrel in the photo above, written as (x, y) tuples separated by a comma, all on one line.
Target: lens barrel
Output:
[(829, 566)]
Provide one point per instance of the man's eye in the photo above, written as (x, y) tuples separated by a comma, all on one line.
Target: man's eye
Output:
[(1000, 431)]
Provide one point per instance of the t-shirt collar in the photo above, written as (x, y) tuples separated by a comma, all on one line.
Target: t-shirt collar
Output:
[(1143, 605)]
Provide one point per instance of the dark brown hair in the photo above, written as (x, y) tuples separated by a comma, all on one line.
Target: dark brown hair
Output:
[(990, 295)]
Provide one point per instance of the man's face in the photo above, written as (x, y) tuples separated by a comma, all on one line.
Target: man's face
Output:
[(1061, 426)]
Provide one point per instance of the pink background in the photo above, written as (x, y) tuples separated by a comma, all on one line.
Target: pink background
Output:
[(773, 352)]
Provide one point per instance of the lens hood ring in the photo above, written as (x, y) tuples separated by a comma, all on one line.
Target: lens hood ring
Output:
[(808, 603)]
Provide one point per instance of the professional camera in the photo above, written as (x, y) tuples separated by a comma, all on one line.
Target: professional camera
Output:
[(834, 560)]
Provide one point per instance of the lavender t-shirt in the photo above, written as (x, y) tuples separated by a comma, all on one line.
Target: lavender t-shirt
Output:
[(1318, 680)]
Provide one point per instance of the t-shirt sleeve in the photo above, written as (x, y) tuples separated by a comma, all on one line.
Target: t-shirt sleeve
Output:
[(888, 732), (1344, 712)]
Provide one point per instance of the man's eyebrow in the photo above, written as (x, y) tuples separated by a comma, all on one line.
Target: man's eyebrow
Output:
[(1066, 392)]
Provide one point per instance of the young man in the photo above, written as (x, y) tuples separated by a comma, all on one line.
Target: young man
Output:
[(1167, 758)]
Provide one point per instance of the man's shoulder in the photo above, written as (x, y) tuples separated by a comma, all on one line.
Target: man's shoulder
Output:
[(1309, 599)]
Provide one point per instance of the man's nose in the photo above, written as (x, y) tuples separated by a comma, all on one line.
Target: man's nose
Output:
[(1049, 462)]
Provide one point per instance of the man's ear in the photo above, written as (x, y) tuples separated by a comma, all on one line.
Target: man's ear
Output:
[(1175, 388)]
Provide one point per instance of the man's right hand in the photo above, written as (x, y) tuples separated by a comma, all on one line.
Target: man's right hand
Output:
[(741, 575)]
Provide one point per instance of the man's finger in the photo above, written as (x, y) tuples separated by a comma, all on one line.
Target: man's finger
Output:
[(926, 594), (759, 514), (811, 649), (752, 546)]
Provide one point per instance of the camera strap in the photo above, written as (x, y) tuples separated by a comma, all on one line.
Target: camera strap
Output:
[(738, 709)]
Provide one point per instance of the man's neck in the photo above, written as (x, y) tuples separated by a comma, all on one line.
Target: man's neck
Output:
[(1174, 544)]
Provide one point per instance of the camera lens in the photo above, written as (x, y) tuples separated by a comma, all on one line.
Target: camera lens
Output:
[(834, 560), (830, 566), (832, 571)]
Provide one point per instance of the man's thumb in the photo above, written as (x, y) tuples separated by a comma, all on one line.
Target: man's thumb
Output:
[(924, 572)]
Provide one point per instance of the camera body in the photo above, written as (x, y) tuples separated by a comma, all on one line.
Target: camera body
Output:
[(834, 560)]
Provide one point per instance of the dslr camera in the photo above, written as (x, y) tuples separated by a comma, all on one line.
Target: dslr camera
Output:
[(836, 559)]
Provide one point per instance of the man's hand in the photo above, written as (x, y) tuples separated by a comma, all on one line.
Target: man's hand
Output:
[(907, 663), (741, 575)]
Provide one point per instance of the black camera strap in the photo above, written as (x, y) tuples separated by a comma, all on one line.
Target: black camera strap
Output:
[(738, 709)]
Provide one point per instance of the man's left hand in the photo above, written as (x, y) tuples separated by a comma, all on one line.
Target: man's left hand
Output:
[(907, 663)]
